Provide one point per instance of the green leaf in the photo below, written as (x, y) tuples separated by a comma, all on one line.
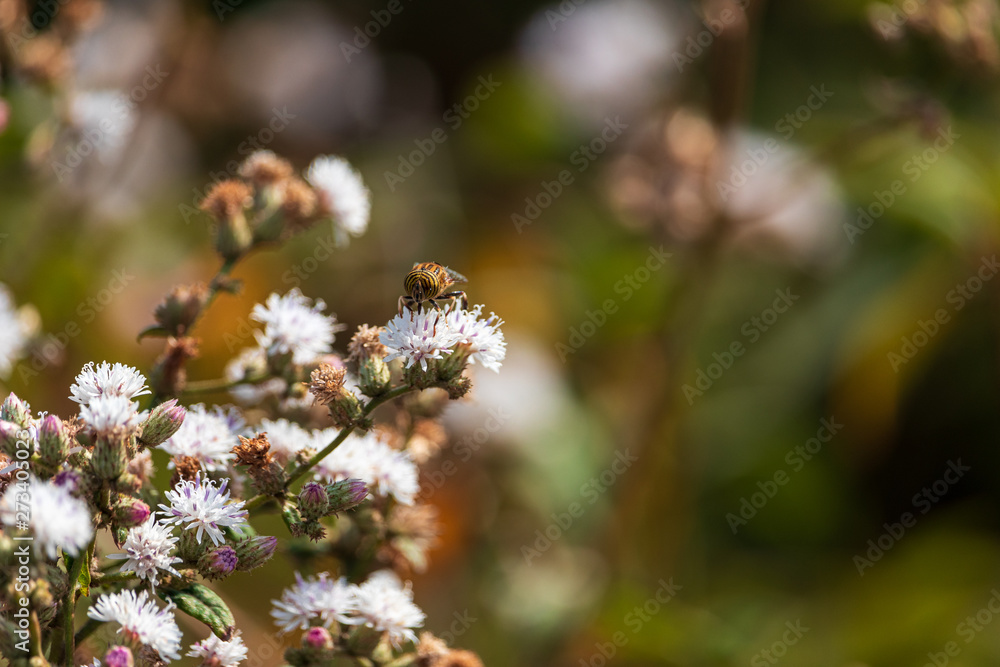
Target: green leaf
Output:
[(191, 601), (217, 605), (153, 331)]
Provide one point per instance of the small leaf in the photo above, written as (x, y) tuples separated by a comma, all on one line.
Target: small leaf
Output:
[(194, 607), (153, 331), (218, 606)]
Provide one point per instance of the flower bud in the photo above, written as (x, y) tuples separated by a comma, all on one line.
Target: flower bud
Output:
[(362, 640), (163, 422), (345, 494), (8, 438), (189, 548), (71, 480), (13, 409), (226, 203), (53, 442), (119, 656), (110, 456), (178, 311), (129, 511), (41, 595), (327, 386), (255, 551), (367, 359), (218, 563), (313, 502), (318, 638)]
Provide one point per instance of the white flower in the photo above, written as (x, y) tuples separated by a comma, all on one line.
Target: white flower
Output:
[(200, 505), (384, 604), (249, 362), (206, 436), (15, 330), (105, 379), (141, 621), (482, 338), (293, 325), (111, 412), (384, 470), (219, 653), (322, 597), (148, 548), (418, 336), (343, 193), (56, 518), (287, 438)]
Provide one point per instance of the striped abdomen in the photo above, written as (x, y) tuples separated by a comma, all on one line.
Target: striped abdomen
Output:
[(422, 285)]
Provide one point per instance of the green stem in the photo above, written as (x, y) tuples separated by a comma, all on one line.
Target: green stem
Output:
[(35, 636), (115, 577), (69, 604), (220, 384), (303, 468)]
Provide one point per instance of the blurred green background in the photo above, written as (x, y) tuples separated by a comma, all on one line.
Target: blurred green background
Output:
[(843, 154)]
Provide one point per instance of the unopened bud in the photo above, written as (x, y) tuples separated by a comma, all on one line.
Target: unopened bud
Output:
[(9, 439), (313, 502), (189, 548), (110, 457), (345, 494), (327, 385), (71, 480), (318, 638), (119, 656), (13, 409), (178, 311), (226, 203), (165, 419), (255, 551), (53, 441), (41, 595), (218, 563), (129, 511)]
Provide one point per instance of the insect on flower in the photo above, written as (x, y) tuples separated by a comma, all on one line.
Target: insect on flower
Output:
[(430, 282)]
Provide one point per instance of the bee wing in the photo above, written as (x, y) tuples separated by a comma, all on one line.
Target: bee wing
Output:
[(455, 277)]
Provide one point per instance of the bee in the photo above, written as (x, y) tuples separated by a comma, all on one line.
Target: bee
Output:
[(430, 282)]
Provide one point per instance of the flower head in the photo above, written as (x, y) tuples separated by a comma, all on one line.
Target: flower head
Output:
[(56, 518), (287, 438), (418, 337), (148, 549), (383, 469), (482, 340), (342, 194), (315, 597), (219, 653), (204, 435), (15, 329), (201, 505), (383, 603), (141, 621), (107, 379), (293, 325), (109, 412)]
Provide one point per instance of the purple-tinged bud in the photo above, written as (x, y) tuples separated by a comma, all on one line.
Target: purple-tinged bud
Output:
[(53, 441), (15, 410), (318, 638), (218, 562), (313, 502), (162, 423), (8, 438), (129, 511), (255, 551), (345, 494), (119, 656)]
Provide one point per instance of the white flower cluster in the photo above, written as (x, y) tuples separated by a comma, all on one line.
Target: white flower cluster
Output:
[(203, 507), (55, 517), (384, 470), (382, 603), (208, 436), (15, 330), (294, 325), (148, 548), (105, 394), (421, 336), (141, 621), (341, 192)]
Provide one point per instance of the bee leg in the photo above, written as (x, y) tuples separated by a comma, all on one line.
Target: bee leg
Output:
[(405, 302), (462, 299)]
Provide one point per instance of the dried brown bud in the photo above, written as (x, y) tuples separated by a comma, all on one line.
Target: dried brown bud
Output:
[(227, 199), (178, 311), (265, 168), (299, 205), (185, 468), (327, 383), (254, 452), (365, 343)]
